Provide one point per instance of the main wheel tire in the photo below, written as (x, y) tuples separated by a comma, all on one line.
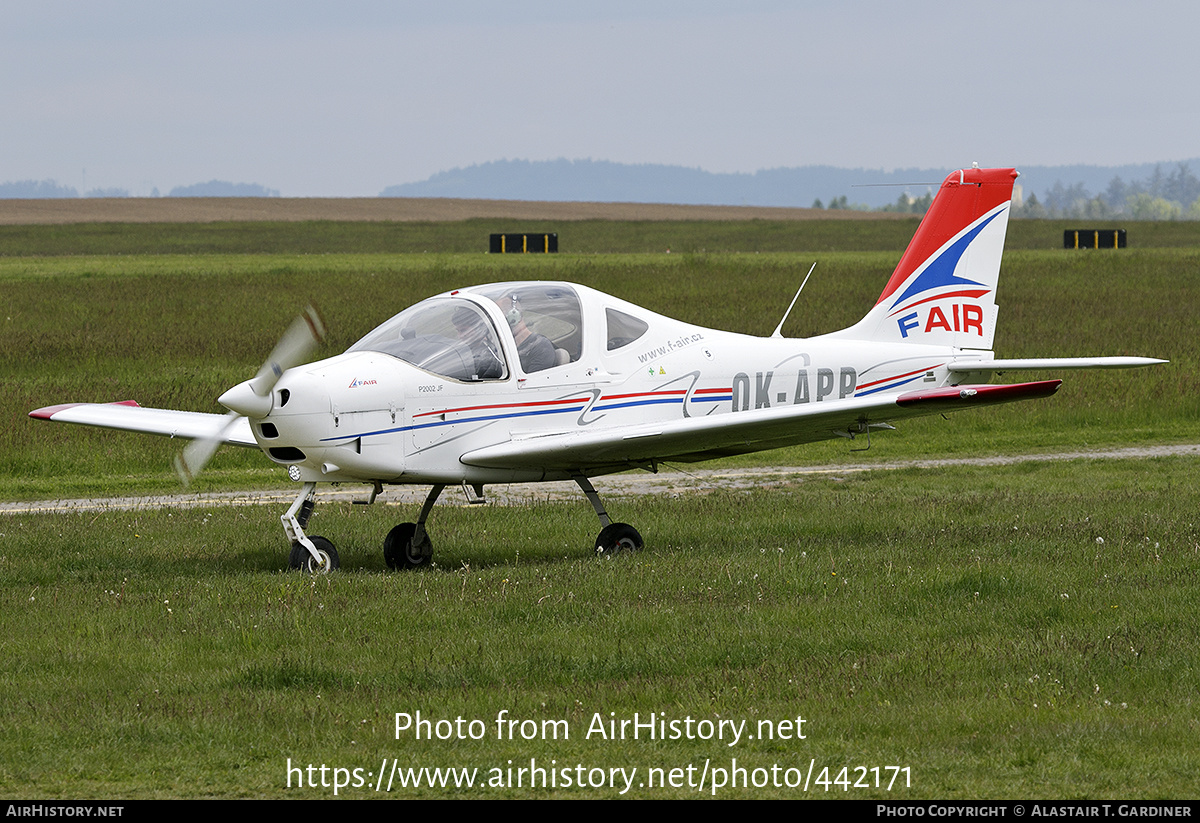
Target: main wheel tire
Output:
[(400, 552), (618, 537), (301, 559)]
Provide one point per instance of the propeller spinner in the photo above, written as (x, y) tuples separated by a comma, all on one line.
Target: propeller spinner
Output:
[(253, 397)]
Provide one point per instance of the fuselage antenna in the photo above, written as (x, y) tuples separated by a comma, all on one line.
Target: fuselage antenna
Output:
[(779, 329)]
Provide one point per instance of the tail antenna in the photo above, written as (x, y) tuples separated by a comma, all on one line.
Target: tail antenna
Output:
[(779, 329)]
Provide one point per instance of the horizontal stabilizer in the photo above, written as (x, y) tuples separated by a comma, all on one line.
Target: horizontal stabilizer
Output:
[(1032, 364)]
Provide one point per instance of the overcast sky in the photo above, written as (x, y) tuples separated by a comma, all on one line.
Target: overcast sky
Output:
[(346, 98)]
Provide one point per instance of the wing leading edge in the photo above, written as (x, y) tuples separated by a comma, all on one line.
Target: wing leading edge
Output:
[(127, 415), (703, 438)]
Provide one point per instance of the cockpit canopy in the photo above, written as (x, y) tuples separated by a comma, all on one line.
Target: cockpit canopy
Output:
[(487, 332)]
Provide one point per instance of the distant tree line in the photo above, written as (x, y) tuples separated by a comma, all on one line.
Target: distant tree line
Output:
[(1173, 196), (219, 188), (48, 189), (1162, 196), (36, 190), (905, 204)]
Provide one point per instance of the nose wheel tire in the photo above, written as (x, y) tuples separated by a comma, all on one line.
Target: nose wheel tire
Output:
[(303, 560), (618, 537), (403, 550)]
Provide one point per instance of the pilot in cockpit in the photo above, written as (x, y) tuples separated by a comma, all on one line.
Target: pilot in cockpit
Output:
[(535, 351)]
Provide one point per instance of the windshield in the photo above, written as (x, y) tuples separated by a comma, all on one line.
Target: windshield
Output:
[(453, 338)]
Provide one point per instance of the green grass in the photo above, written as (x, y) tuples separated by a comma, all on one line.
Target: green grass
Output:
[(575, 236), (967, 623), (1021, 631)]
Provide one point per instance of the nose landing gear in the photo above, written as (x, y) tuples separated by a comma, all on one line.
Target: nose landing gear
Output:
[(315, 555)]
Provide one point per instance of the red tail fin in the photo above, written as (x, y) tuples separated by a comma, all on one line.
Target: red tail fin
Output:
[(943, 291)]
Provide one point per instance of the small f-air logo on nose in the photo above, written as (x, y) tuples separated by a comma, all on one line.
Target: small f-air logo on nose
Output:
[(355, 383)]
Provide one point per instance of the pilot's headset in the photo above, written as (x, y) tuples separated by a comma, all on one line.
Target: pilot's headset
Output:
[(513, 315)]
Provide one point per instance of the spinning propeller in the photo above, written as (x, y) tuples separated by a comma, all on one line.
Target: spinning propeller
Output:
[(253, 398)]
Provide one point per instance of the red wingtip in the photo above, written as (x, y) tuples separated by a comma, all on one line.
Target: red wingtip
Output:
[(48, 412)]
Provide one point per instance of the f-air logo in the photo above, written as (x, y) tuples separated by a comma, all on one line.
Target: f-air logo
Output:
[(937, 275), (964, 317), (805, 389)]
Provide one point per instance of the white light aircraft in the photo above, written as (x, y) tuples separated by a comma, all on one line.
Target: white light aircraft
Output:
[(532, 381)]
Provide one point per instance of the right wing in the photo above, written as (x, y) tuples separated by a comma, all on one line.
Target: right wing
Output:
[(127, 415)]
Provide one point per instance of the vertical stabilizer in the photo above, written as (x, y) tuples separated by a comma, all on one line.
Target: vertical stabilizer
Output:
[(943, 292)]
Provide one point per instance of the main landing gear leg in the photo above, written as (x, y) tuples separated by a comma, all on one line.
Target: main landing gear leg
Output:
[(313, 554), (408, 545), (614, 537)]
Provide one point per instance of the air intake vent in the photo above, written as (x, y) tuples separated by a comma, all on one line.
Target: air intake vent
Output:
[(286, 454)]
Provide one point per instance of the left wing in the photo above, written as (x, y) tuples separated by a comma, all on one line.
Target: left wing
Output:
[(703, 438), (127, 415)]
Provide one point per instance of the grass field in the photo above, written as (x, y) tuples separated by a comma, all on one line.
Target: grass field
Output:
[(1027, 631), (885, 233), (1020, 631)]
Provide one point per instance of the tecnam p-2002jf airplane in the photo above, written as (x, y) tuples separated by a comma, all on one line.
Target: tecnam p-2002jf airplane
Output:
[(531, 381)]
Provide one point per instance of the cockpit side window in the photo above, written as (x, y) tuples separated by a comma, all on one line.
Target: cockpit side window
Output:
[(453, 338), (623, 328), (545, 319)]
